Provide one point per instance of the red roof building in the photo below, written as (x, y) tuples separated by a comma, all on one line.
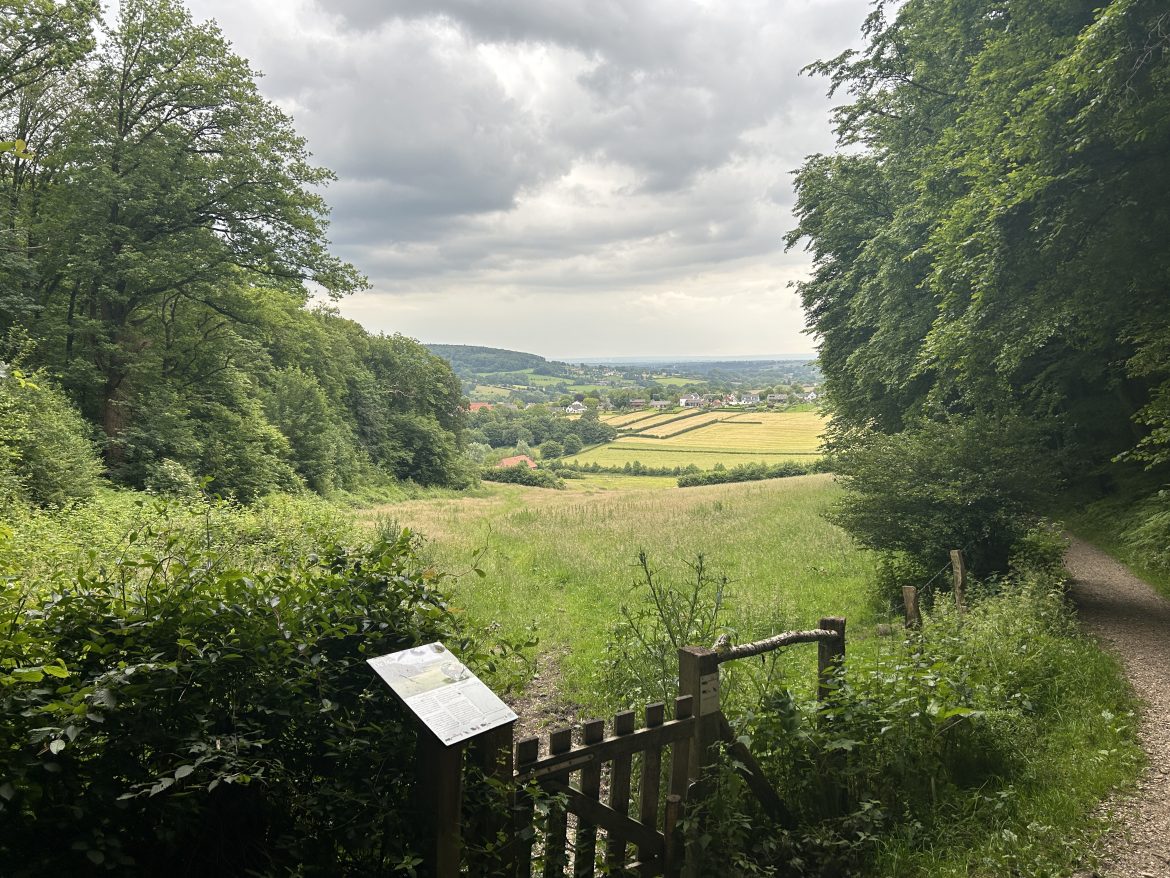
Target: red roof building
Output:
[(513, 461), (476, 406)]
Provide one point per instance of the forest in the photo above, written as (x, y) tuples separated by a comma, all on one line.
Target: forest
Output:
[(990, 264), (166, 287)]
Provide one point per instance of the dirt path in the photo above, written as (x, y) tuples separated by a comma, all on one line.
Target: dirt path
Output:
[(1134, 622)]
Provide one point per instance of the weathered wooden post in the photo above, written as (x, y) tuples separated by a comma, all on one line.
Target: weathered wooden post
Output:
[(492, 752), (440, 784), (830, 654), (913, 614), (959, 568), (698, 676)]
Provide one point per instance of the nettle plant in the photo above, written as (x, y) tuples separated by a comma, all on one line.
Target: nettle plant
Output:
[(162, 711)]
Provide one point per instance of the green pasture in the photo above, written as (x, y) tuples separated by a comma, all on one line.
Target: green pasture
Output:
[(490, 392), (659, 454), (676, 381), (565, 560)]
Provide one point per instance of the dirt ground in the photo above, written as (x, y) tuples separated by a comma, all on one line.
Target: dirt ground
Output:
[(1125, 614)]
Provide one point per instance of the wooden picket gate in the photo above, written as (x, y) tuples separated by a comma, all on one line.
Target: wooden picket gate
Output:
[(651, 844), (626, 834)]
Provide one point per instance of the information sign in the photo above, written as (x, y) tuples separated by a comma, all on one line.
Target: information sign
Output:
[(450, 700)]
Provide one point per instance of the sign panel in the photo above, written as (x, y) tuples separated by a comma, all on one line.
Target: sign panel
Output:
[(450, 700)]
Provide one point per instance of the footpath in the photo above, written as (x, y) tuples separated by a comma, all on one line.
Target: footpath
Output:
[(1132, 621)]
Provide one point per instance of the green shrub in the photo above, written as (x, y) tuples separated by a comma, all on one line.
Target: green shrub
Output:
[(522, 474), (166, 711), (972, 483), (46, 455)]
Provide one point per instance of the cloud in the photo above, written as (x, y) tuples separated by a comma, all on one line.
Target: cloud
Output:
[(551, 151)]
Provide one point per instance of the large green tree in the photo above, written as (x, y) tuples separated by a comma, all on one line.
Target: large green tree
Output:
[(991, 236)]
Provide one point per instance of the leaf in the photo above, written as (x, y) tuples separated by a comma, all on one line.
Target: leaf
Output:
[(58, 671), (56, 746), (183, 771)]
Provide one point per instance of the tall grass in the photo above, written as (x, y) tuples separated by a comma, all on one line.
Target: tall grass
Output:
[(568, 562)]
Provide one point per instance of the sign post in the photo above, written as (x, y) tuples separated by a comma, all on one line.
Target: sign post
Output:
[(453, 706)]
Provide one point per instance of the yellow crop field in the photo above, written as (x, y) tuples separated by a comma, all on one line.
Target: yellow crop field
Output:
[(627, 418), (723, 437), (658, 420), (666, 428)]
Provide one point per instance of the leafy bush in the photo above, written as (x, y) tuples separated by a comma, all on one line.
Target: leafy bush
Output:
[(748, 472), (166, 711), (46, 455), (522, 474), (971, 483), (661, 617)]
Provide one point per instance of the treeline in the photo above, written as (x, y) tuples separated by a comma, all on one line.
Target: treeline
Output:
[(160, 229), (751, 472), (990, 258), (504, 427)]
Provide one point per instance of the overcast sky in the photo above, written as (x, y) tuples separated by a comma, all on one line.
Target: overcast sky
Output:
[(567, 177)]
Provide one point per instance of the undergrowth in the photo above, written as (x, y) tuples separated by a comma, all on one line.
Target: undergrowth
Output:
[(976, 746)]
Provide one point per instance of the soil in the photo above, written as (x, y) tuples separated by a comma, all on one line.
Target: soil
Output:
[(1129, 619)]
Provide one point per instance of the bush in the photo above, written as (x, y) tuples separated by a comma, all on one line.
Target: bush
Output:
[(522, 474), (970, 483), (746, 472), (46, 455), (170, 712)]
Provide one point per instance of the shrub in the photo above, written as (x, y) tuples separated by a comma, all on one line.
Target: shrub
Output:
[(522, 474), (46, 455), (169, 712), (963, 483)]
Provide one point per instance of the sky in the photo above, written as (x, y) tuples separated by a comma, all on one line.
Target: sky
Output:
[(566, 177)]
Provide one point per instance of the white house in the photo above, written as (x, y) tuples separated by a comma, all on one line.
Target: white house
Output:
[(576, 408), (690, 401)]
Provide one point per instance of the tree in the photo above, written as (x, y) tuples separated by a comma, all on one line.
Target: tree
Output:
[(551, 448), (179, 182), (989, 239), (572, 444)]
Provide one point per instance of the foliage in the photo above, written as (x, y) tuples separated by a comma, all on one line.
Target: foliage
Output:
[(662, 617), (522, 474), (46, 455), (988, 237), (160, 230), (164, 709), (968, 483), (749, 472)]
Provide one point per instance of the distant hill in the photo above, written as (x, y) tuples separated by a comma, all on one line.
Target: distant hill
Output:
[(476, 360)]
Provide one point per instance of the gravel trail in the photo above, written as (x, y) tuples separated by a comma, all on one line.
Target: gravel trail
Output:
[(1125, 614)]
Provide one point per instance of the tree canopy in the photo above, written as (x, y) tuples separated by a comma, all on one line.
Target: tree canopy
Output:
[(162, 229), (991, 233)]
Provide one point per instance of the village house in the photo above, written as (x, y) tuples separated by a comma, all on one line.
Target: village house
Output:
[(690, 401), (637, 404), (659, 404), (576, 408), (749, 399), (777, 398), (476, 406)]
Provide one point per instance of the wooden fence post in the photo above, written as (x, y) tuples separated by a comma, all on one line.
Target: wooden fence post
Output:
[(698, 677), (830, 654), (910, 599), (492, 752), (959, 568), (440, 774)]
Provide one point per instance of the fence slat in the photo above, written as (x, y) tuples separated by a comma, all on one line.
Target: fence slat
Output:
[(830, 654), (585, 844), (527, 751), (651, 778), (556, 839), (619, 794)]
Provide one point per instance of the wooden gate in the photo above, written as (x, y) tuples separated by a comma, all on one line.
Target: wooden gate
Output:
[(621, 836)]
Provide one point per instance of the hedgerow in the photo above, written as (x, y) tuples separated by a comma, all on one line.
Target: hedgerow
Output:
[(164, 711)]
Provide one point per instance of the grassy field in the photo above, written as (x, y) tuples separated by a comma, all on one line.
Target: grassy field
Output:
[(727, 438), (490, 392), (565, 560), (628, 419)]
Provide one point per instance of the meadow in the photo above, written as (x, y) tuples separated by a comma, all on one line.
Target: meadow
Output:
[(566, 562)]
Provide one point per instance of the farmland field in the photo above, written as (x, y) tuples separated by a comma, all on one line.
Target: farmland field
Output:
[(566, 560), (725, 438), (626, 419), (662, 418)]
